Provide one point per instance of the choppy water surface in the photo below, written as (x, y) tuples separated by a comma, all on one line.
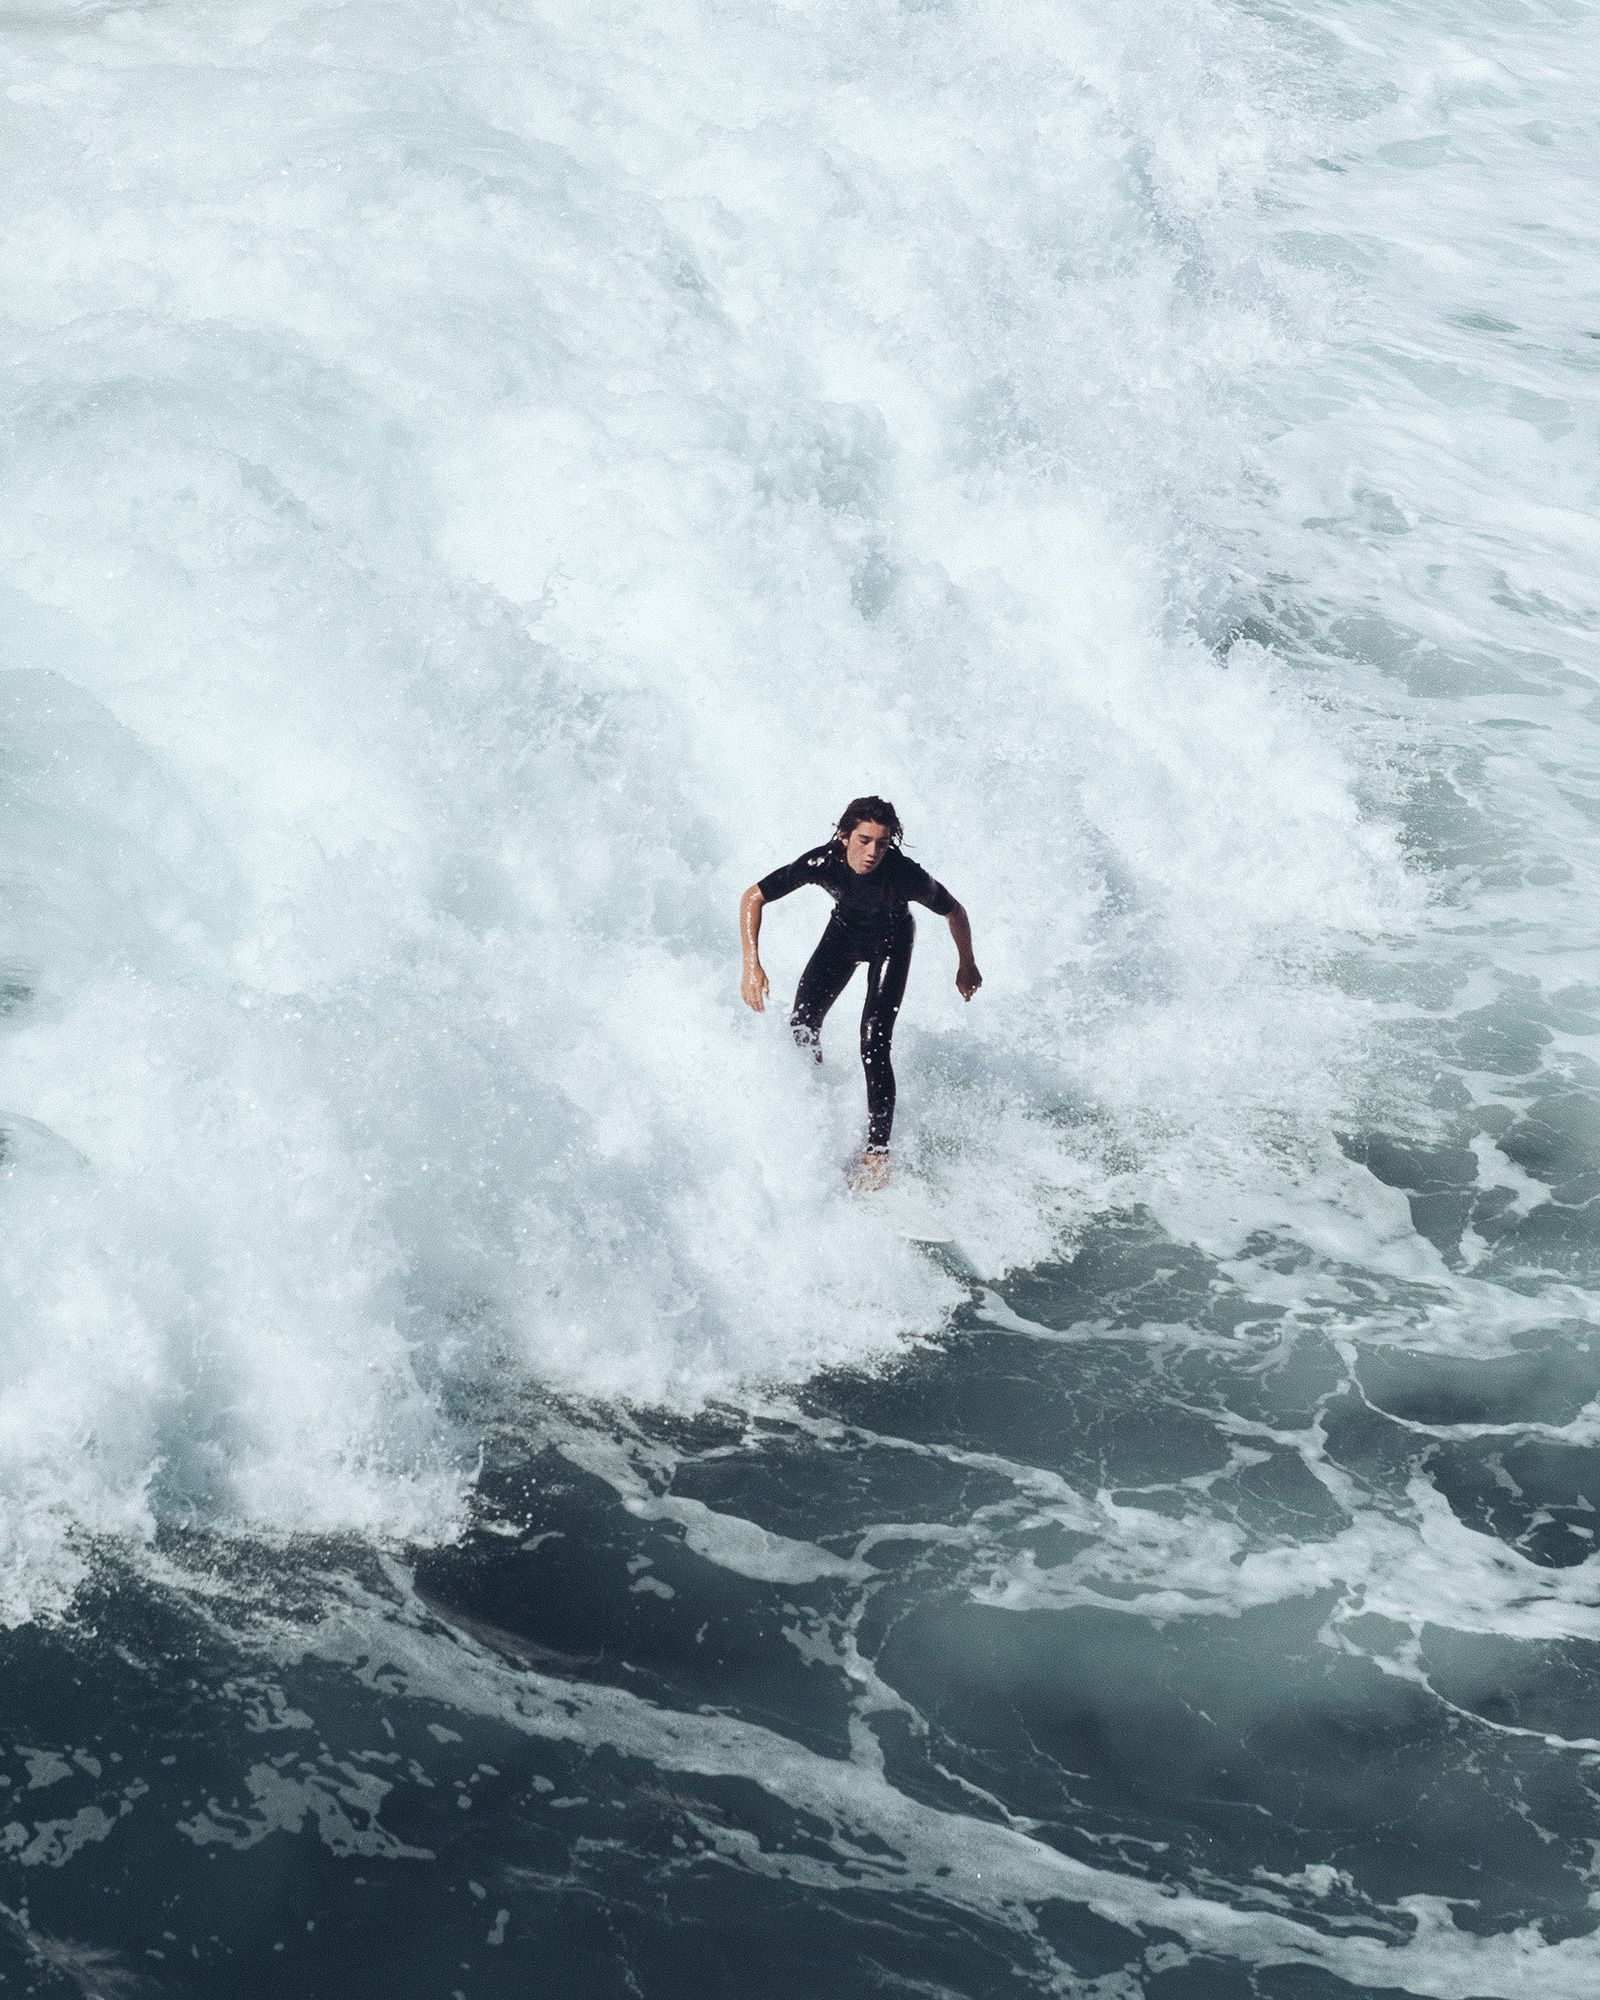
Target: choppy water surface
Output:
[(481, 1510)]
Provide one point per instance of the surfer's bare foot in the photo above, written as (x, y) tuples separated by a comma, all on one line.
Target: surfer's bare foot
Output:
[(869, 1172)]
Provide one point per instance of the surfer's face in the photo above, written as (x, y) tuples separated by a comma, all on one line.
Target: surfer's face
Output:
[(867, 845)]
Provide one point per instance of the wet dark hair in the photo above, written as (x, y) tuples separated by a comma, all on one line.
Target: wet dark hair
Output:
[(874, 808)]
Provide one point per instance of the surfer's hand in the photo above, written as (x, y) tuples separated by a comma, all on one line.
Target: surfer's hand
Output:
[(968, 980), (753, 988)]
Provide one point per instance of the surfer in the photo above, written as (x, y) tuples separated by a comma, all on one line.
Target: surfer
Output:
[(873, 884)]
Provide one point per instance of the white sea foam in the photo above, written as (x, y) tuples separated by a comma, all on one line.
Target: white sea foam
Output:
[(484, 487)]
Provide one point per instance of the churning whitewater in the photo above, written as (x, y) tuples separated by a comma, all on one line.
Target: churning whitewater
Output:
[(482, 1506)]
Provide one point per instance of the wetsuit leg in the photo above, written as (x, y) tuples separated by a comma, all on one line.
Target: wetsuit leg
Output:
[(886, 988), (827, 974)]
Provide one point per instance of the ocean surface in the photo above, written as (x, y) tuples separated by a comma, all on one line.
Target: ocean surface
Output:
[(483, 1511)]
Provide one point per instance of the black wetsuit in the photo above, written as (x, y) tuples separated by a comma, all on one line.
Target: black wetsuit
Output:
[(871, 925)]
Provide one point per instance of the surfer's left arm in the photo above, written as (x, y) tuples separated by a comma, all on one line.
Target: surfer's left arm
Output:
[(968, 977), (922, 888)]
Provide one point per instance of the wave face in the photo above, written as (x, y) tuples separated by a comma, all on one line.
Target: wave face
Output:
[(482, 494), (483, 484)]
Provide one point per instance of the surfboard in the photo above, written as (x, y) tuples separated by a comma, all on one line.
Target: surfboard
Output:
[(907, 1212)]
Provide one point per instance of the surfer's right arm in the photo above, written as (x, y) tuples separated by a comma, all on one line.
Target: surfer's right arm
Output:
[(770, 889), (753, 983), (781, 882)]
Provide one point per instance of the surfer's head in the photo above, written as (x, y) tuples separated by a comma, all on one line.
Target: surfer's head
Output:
[(867, 829)]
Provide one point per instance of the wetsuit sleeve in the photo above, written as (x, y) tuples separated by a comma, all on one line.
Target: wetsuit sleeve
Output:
[(791, 876), (921, 888)]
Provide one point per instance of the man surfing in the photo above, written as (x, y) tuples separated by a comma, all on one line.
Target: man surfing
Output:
[(872, 884)]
